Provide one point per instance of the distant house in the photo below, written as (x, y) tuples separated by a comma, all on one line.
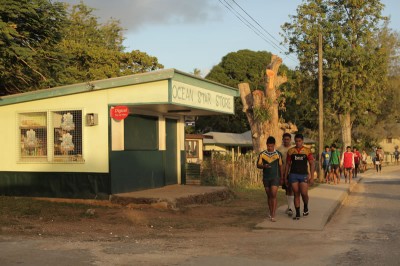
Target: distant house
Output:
[(389, 145), (198, 146), (239, 143)]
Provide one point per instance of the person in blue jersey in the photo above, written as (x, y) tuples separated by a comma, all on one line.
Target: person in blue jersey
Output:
[(270, 161), (325, 163)]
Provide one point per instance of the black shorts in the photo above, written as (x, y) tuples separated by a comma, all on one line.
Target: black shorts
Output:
[(335, 166), (271, 182)]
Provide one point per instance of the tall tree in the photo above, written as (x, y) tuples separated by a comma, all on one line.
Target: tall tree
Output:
[(43, 45), (355, 62), (95, 51), (29, 33)]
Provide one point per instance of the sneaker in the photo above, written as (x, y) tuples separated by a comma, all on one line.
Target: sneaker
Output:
[(296, 218), (305, 213), (290, 212)]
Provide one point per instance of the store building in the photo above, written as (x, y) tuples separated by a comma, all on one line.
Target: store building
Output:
[(104, 137)]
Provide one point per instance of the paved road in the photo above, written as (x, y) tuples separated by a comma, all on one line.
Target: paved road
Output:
[(364, 231)]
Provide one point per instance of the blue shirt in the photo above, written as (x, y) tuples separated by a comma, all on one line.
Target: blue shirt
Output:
[(327, 157)]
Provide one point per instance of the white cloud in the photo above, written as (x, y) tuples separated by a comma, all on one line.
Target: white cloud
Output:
[(136, 14)]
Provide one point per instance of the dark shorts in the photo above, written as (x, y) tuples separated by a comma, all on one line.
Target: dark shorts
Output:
[(335, 166), (348, 168), (271, 182), (298, 178)]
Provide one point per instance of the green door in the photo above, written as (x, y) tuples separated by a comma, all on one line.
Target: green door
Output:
[(171, 154)]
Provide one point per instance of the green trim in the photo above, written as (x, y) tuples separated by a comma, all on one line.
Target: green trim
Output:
[(170, 91), (204, 109), (55, 184), (183, 167), (166, 74)]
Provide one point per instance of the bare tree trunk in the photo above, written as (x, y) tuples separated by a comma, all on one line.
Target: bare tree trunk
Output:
[(268, 101), (346, 125)]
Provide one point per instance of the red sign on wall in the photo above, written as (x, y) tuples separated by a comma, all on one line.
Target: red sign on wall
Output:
[(119, 112)]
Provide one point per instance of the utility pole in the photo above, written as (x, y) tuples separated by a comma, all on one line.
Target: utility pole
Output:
[(320, 108)]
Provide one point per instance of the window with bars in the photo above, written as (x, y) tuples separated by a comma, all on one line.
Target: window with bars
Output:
[(33, 136), (67, 130), (57, 140)]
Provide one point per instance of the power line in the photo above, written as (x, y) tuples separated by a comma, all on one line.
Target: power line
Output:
[(252, 27)]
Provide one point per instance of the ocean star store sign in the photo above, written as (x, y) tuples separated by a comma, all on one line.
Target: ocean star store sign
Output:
[(199, 97)]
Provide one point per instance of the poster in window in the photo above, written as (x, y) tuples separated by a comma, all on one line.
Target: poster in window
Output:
[(192, 148)]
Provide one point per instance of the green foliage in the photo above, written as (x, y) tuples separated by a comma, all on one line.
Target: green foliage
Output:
[(45, 44), (356, 49), (29, 33), (95, 51), (262, 114)]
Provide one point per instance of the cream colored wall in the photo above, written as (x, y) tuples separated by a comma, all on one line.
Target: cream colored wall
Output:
[(208, 147), (95, 138), (389, 147)]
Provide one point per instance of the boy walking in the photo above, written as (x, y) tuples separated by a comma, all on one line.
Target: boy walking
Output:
[(283, 149), (325, 163), (335, 164), (270, 161), (300, 176), (348, 164)]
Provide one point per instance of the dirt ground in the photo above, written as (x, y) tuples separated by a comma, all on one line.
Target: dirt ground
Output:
[(89, 220)]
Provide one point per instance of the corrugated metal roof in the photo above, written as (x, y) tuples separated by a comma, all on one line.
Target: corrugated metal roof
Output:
[(236, 139), (232, 139)]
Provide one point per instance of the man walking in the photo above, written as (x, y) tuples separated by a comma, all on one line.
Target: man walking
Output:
[(396, 156), (325, 163), (300, 176), (357, 160), (283, 149), (335, 164), (348, 164), (270, 161)]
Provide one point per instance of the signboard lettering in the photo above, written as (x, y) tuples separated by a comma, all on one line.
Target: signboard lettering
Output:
[(201, 98), (119, 112)]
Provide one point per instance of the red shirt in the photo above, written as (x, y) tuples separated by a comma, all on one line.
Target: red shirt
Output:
[(357, 157), (348, 159)]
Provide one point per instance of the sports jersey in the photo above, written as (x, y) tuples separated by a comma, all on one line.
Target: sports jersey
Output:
[(327, 157), (335, 157), (299, 158), (348, 159), (357, 157), (274, 159)]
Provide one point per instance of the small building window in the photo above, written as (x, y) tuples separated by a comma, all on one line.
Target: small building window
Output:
[(67, 128), (192, 148), (33, 136), (141, 132), (389, 140)]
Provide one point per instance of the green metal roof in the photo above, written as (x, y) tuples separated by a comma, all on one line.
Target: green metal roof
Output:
[(165, 74)]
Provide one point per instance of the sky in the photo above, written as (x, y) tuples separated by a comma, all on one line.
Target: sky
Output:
[(196, 34)]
